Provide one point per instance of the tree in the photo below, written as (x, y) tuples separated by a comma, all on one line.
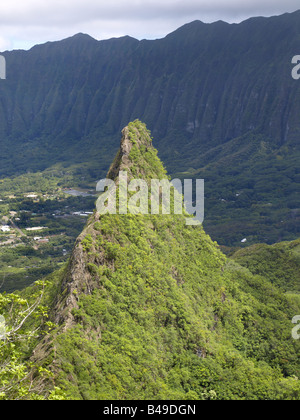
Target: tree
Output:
[(22, 321)]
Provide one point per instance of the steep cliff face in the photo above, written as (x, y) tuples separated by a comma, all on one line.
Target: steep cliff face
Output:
[(149, 308)]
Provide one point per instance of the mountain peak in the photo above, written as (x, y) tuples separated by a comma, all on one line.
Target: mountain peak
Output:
[(139, 159), (137, 155), (144, 295), (81, 36)]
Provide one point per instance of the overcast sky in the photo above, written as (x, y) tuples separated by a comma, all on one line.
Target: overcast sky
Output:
[(25, 23)]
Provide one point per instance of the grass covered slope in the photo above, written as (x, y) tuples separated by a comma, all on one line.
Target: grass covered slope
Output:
[(149, 308)]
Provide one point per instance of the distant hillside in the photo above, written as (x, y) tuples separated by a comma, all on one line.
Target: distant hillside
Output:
[(278, 263), (149, 308), (218, 98)]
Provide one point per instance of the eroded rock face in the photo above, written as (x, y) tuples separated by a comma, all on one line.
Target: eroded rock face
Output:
[(122, 160)]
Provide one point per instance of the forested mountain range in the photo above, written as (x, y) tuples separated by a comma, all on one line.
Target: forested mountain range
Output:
[(219, 99)]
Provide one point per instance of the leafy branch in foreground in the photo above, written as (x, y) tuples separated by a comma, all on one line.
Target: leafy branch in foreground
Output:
[(22, 321)]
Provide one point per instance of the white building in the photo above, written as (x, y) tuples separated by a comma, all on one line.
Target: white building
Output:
[(36, 228), (5, 228)]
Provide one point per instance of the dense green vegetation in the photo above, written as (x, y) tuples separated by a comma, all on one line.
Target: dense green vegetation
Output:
[(150, 308), (278, 263), (171, 318), (252, 192), (23, 319)]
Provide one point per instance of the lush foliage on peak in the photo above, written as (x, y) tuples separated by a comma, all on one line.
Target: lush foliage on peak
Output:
[(172, 318), (160, 313), (143, 156), (150, 308)]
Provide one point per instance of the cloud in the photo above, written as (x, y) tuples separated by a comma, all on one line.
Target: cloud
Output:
[(5, 44), (27, 22)]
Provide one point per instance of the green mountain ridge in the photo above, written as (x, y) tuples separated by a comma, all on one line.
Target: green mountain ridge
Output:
[(150, 308), (209, 93)]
